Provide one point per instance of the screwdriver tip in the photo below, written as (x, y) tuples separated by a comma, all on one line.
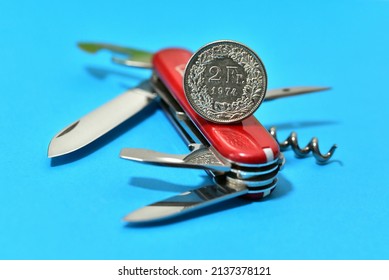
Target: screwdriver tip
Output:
[(89, 47)]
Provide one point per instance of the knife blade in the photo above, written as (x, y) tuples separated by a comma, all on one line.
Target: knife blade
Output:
[(100, 121), (184, 203)]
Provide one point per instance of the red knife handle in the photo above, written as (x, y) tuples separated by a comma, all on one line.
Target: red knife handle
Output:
[(246, 142)]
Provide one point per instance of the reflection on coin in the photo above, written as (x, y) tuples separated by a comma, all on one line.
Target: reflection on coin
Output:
[(225, 82)]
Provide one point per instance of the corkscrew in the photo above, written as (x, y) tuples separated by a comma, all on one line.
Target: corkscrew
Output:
[(312, 146)]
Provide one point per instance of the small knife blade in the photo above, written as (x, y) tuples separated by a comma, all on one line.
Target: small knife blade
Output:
[(103, 119), (291, 91), (184, 203)]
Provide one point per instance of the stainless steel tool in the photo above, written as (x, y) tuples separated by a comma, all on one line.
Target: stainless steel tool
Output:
[(242, 158)]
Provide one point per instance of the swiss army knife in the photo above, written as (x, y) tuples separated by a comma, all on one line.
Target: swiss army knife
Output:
[(243, 158)]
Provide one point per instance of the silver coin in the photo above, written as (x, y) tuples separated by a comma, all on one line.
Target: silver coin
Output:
[(225, 82)]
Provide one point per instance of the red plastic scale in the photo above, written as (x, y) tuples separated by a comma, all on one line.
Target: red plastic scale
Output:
[(246, 142)]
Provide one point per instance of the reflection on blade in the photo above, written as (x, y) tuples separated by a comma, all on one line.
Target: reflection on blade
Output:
[(291, 91), (184, 203), (100, 121)]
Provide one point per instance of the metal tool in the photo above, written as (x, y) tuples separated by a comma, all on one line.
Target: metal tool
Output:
[(312, 146), (242, 158)]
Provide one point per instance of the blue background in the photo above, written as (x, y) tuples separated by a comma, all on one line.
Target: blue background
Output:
[(72, 208)]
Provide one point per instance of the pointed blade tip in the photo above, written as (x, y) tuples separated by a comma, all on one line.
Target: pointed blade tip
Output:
[(53, 152), (323, 88), (129, 219), (50, 153)]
